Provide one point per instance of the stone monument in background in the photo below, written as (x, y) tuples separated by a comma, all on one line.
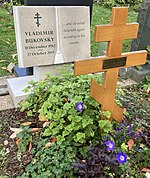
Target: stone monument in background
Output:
[(141, 43)]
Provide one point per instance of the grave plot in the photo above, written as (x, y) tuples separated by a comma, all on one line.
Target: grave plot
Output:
[(64, 135)]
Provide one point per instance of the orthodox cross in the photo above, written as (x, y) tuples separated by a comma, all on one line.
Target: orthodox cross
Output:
[(37, 17), (110, 64)]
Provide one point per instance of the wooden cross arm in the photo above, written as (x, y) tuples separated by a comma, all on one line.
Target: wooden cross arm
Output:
[(119, 32), (96, 64)]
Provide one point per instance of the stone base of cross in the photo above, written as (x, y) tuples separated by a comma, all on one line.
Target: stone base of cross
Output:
[(110, 64)]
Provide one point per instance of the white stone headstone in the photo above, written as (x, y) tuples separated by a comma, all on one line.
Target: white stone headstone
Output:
[(51, 35), (47, 35)]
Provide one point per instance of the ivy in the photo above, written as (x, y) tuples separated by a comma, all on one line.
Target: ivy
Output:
[(56, 99)]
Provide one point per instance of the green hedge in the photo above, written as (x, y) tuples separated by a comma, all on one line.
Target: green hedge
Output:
[(135, 4)]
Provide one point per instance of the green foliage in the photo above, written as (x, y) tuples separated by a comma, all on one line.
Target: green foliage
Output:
[(9, 4), (2, 155), (105, 125), (56, 99), (54, 161), (145, 85), (128, 138), (7, 41), (111, 3), (24, 138)]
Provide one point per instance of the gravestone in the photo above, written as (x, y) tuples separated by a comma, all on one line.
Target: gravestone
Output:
[(29, 71), (140, 43), (114, 59), (46, 36), (60, 3)]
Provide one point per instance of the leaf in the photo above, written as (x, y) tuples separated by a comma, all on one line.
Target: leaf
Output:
[(145, 170), (14, 56), (124, 147), (4, 68), (12, 136), (130, 144), (35, 129), (106, 114), (47, 123), (53, 140), (18, 140), (16, 130), (48, 145), (30, 147), (105, 125), (42, 118), (80, 137), (26, 123), (2, 61)]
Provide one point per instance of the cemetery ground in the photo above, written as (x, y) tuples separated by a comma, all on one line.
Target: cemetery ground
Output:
[(134, 99), (30, 149)]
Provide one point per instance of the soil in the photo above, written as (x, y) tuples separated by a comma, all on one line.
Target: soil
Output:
[(10, 165)]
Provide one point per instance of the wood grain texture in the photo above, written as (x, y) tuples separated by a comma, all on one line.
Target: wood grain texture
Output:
[(97, 92), (119, 32), (94, 65)]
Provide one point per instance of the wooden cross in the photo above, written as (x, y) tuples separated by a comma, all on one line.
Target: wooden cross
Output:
[(110, 64)]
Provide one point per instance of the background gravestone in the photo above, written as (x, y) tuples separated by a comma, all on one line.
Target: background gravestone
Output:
[(60, 3), (140, 43)]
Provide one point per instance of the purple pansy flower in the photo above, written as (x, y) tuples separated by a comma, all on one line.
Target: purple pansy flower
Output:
[(121, 157), (79, 106), (110, 145)]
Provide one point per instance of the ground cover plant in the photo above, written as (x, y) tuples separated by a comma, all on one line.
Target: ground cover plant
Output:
[(68, 138)]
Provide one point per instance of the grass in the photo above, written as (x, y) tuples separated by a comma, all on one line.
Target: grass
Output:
[(7, 41), (101, 15)]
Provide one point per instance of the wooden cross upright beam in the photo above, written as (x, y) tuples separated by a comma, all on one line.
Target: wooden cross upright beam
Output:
[(110, 64)]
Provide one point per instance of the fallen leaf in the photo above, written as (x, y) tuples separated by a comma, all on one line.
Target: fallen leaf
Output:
[(16, 130), (14, 56), (130, 144), (48, 145), (12, 136), (18, 140), (30, 146), (2, 60), (46, 124), (35, 129), (53, 140), (4, 68), (43, 118), (145, 170), (26, 123)]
